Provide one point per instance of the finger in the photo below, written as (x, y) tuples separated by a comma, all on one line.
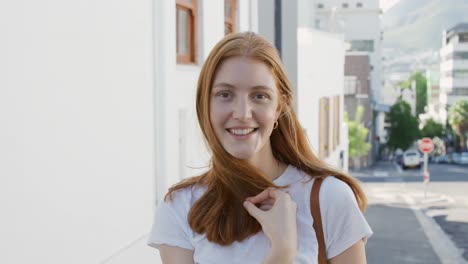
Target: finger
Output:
[(253, 210), (259, 197), (269, 201), (266, 194), (266, 207)]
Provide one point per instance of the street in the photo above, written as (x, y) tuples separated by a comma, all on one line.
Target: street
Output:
[(414, 222)]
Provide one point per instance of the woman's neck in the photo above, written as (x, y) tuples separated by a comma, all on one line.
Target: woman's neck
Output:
[(272, 167)]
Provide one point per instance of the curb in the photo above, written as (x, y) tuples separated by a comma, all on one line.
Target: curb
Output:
[(443, 246)]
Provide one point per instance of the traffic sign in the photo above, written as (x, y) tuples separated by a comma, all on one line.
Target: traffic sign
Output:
[(426, 145)]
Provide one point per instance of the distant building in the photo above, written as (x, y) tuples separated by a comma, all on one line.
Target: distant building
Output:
[(357, 92), (359, 21), (454, 64), (436, 99)]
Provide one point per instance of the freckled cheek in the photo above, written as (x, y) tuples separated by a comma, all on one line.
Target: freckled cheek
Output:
[(266, 115), (218, 114)]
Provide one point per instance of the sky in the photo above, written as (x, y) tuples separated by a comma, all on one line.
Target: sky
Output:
[(386, 4)]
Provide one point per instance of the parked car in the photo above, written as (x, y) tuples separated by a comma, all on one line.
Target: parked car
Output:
[(411, 158), (399, 159), (463, 158), (456, 158), (441, 159)]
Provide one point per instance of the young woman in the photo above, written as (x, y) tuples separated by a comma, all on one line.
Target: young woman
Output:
[(253, 204)]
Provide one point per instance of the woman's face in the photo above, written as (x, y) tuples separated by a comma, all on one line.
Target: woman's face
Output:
[(244, 107)]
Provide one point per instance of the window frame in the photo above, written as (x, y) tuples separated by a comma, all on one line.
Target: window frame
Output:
[(324, 127), (191, 8), (232, 19), (336, 119)]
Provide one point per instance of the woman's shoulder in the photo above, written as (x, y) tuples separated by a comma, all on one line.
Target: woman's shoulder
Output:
[(185, 195), (332, 189), (336, 193), (333, 184)]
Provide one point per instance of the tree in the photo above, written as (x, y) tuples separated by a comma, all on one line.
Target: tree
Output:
[(439, 147), (432, 129), (357, 134), (458, 119), (421, 90), (403, 126)]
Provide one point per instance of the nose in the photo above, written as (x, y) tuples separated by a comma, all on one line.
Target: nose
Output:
[(242, 110)]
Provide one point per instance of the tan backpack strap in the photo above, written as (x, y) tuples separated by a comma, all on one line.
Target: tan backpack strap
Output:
[(317, 216)]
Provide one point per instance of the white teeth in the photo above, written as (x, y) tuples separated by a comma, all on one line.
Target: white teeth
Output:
[(241, 131)]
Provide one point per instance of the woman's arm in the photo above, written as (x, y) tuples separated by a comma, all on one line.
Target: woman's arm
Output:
[(356, 254), (175, 255)]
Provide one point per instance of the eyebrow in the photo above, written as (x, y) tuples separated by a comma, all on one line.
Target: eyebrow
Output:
[(230, 86)]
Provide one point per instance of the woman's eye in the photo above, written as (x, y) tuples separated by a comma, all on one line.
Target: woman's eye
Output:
[(260, 96), (224, 95)]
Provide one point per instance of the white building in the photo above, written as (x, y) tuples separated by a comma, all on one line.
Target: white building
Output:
[(359, 21), (98, 115), (454, 64), (436, 99), (317, 76)]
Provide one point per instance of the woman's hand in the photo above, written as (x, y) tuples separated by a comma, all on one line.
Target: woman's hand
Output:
[(276, 213)]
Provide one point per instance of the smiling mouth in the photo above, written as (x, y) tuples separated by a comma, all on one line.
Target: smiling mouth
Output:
[(242, 132)]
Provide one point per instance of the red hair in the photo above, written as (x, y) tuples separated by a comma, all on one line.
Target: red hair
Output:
[(219, 212)]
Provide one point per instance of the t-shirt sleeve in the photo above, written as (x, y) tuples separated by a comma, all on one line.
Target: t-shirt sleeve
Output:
[(343, 222), (170, 225)]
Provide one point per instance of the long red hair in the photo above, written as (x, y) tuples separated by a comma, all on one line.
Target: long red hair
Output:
[(219, 212)]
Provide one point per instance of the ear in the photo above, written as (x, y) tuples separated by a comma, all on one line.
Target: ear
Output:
[(279, 109)]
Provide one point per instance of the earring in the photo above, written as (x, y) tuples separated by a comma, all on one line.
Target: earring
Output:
[(275, 125)]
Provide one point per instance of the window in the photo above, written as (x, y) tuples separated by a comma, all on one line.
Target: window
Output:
[(362, 45), (463, 37), (460, 73), (186, 26), (345, 5), (460, 55), (320, 6), (324, 132), (359, 5), (336, 121), (461, 91), (350, 84), (229, 16), (317, 23)]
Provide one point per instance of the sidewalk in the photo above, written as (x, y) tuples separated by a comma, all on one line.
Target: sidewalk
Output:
[(398, 237), (403, 232)]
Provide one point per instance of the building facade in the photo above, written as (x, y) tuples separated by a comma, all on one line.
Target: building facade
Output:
[(357, 93), (359, 21), (105, 120), (454, 64)]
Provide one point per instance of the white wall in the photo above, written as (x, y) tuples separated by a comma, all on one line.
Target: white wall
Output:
[(77, 129), (98, 121), (266, 19), (319, 74)]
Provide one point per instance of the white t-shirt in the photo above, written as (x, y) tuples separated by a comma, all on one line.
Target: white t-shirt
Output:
[(343, 224)]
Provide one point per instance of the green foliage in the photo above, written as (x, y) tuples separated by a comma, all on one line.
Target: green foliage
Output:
[(432, 129), (357, 133), (458, 120), (421, 90), (404, 126)]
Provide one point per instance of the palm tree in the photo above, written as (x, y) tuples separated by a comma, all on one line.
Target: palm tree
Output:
[(458, 119)]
